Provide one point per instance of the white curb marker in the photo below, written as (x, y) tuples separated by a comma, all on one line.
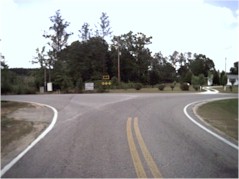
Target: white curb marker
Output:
[(42, 135), (206, 129)]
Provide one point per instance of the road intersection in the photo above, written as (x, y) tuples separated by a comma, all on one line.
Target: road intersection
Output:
[(127, 136)]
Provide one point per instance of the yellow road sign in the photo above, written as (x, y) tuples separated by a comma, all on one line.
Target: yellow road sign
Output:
[(106, 77)]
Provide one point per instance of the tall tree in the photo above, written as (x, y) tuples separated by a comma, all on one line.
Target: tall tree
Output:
[(135, 47), (105, 29), (174, 58), (58, 37), (43, 60), (85, 32), (216, 79), (201, 65)]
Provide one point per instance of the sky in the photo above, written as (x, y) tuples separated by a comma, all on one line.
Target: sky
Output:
[(209, 27)]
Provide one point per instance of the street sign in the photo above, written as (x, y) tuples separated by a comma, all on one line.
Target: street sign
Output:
[(105, 83), (106, 77), (89, 86)]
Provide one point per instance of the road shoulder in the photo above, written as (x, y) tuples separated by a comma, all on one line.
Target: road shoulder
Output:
[(36, 117)]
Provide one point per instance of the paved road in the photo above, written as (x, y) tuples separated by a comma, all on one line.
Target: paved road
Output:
[(125, 135)]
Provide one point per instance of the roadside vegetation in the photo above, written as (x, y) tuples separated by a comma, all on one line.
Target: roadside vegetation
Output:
[(97, 52), (222, 115)]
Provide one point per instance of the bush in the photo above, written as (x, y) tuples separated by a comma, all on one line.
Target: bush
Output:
[(114, 81), (185, 86), (123, 85), (79, 86), (101, 89), (173, 85), (138, 86), (161, 87), (196, 87)]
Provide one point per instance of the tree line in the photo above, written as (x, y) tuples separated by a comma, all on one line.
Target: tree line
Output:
[(91, 56)]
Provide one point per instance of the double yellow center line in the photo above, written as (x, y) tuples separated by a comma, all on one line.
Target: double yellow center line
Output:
[(134, 153)]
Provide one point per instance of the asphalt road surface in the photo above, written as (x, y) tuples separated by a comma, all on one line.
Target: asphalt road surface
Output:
[(127, 136)]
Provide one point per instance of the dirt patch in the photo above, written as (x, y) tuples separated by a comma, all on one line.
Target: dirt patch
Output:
[(21, 123)]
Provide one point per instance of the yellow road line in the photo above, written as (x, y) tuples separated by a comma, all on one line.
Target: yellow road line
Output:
[(134, 154), (152, 165)]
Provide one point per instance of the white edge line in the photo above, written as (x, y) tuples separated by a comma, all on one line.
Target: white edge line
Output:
[(42, 135), (206, 129)]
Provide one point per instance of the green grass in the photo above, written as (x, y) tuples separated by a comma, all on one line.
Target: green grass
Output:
[(221, 90), (167, 89), (222, 115)]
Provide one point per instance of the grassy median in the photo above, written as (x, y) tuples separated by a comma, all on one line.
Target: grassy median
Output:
[(222, 115)]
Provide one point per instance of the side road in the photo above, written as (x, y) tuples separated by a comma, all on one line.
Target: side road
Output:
[(23, 125)]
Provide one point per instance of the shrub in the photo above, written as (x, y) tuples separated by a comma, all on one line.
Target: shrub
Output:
[(101, 89), (123, 85), (138, 86), (185, 86), (161, 87), (173, 85), (114, 81), (196, 87), (79, 86)]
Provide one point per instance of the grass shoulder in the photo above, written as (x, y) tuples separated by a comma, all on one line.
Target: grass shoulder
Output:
[(222, 114), (154, 89)]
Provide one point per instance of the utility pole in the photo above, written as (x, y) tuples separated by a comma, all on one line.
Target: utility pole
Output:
[(118, 64), (45, 87), (117, 46), (225, 64)]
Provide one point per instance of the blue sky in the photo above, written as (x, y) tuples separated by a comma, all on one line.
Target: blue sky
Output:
[(198, 26)]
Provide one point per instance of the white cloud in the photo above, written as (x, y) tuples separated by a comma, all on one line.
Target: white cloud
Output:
[(183, 25)]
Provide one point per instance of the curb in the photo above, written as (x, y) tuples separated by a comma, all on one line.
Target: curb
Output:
[(41, 136)]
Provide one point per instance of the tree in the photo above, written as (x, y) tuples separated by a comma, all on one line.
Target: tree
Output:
[(85, 60), (202, 80), (134, 55), (154, 77), (174, 58), (58, 37), (188, 77), (216, 79), (105, 28), (42, 59), (5, 78), (224, 81), (85, 32), (195, 82), (201, 65), (234, 70), (58, 40)]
